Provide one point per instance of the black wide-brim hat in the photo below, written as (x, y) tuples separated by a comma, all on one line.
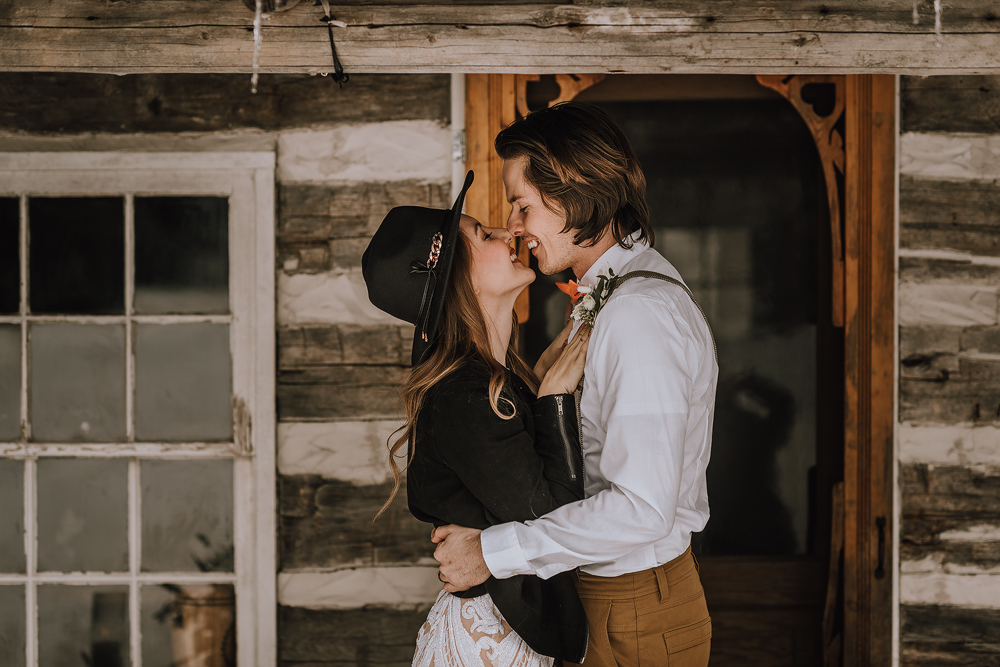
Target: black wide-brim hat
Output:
[(407, 266)]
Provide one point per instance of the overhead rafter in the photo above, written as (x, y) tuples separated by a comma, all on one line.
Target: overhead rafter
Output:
[(682, 36)]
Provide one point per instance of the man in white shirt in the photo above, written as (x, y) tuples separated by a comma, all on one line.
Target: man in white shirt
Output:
[(578, 200)]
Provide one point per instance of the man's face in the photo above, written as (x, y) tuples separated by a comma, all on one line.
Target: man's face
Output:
[(537, 226)]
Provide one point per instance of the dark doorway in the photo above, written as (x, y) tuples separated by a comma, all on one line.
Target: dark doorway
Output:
[(737, 197)]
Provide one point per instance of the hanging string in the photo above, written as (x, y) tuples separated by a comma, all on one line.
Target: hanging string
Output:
[(338, 69), (257, 39), (937, 23), (916, 13)]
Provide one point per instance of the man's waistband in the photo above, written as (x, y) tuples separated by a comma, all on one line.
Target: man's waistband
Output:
[(636, 584)]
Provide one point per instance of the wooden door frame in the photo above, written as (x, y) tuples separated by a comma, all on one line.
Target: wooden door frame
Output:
[(864, 304)]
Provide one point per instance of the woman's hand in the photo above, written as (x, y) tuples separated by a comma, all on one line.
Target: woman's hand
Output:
[(567, 370), (551, 353)]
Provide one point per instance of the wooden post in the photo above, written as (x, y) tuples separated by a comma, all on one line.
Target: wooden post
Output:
[(869, 352), (490, 106)]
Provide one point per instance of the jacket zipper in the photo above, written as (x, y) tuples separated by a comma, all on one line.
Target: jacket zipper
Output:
[(567, 445)]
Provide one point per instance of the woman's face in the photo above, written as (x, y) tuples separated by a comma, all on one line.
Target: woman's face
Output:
[(496, 271)]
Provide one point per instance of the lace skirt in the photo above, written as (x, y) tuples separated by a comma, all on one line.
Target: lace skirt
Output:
[(471, 633)]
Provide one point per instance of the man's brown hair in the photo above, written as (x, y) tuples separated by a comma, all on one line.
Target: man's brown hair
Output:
[(581, 161)]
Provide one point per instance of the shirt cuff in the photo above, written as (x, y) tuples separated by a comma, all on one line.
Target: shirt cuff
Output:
[(502, 551)]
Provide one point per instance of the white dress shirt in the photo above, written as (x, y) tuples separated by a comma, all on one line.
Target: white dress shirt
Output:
[(647, 407)]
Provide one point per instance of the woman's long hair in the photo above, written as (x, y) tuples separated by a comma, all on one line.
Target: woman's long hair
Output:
[(462, 336)]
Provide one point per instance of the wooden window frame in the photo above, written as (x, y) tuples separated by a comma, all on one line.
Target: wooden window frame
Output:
[(247, 180), (864, 304)]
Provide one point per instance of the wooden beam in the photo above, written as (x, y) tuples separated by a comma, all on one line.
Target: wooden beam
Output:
[(714, 36)]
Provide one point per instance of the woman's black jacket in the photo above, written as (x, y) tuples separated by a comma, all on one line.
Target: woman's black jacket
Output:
[(470, 467)]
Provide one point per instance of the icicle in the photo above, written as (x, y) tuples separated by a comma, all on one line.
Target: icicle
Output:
[(937, 23), (256, 46), (916, 13)]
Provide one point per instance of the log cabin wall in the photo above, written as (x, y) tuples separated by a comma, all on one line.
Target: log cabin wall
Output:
[(949, 390), (350, 592)]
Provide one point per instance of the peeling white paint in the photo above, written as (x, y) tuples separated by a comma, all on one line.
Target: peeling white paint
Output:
[(949, 445), (948, 155), (967, 590), (389, 151), (351, 451), (338, 297), (980, 533), (959, 305), (393, 586)]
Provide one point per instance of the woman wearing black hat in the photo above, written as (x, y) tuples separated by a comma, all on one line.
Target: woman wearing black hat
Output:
[(487, 442)]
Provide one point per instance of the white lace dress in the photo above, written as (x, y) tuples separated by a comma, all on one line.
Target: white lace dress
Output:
[(471, 633)]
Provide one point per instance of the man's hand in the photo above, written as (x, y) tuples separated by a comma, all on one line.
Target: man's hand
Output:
[(461, 556)]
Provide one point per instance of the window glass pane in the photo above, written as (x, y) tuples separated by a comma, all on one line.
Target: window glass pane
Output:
[(82, 515), (10, 382), (188, 625), (10, 253), (11, 518), (181, 255), (77, 255), (187, 516), (83, 625), (12, 630), (77, 383), (182, 382)]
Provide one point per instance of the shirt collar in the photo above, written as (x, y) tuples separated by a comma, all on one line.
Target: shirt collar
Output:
[(614, 258)]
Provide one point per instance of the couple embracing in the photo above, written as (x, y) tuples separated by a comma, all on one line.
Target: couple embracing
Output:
[(563, 518)]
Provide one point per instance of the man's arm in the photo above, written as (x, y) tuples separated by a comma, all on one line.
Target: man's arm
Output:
[(645, 384)]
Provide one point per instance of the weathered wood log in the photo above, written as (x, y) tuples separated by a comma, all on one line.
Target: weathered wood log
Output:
[(950, 104), (344, 344), (318, 213), (951, 492), (211, 102), (949, 635), (952, 215), (970, 395), (326, 523), (340, 392), (655, 37), (926, 270), (332, 637)]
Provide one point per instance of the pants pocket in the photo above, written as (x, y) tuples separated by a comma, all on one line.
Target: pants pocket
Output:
[(690, 645)]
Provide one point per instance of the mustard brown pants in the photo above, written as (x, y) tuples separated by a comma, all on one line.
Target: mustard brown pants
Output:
[(653, 618)]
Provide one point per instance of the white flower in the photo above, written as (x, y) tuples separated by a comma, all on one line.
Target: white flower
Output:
[(583, 289), (588, 302)]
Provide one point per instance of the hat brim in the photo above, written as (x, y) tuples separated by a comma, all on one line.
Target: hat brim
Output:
[(435, 306)]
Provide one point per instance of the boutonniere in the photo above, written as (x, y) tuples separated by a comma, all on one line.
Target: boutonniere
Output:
[(588, 301)]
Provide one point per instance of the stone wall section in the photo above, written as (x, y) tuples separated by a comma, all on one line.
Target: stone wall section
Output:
[(949, 388)]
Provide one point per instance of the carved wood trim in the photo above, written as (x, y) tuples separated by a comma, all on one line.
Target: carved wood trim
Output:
[(830, 144), (490, 106)]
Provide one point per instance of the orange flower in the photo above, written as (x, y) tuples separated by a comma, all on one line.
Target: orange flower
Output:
[(572, 289)]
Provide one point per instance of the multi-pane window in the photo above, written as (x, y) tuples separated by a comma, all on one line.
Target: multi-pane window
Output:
[(135, 305)]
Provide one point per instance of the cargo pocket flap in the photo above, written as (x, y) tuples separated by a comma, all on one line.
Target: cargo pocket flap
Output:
[(688, 636)]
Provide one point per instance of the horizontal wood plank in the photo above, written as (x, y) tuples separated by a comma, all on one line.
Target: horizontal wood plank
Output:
[(953, 215), (655, 37), (966, 103), (340, 392), (951, 492), (936, 635), (344, 344), (342, 638), (972, 394), (943, 271), (35, 102), (327, 523)]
